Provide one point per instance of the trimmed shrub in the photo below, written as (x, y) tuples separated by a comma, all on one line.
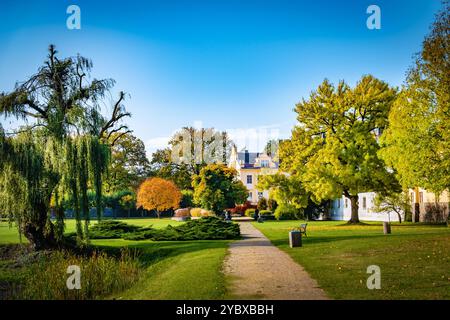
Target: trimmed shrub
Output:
[(207, 213), (207, 228), (199, 212), (111, 229), (265, 213), (240, 209), (250, 213), (195, 212), (287, 212), (182, 213)]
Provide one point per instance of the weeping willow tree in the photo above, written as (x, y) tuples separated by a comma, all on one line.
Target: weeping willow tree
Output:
[(60, 150)]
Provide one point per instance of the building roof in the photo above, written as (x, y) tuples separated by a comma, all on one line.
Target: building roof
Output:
[(248, 157)]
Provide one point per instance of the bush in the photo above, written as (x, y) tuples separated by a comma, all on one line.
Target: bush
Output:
[(199, 212), (111, 229), (207, 228), (187, 199), (250, 213), (182, 213), (262, 204), (195, 212), (287, 212), (101, 276), (265, 213), (240, 209)]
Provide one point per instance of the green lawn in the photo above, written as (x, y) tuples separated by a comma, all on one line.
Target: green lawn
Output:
[(177, 269), (172, 269), (414, 259), (10, 235)]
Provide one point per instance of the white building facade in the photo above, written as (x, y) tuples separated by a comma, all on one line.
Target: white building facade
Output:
[(341, 209)]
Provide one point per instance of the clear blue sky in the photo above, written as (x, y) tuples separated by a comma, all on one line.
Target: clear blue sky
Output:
[(227, 63)]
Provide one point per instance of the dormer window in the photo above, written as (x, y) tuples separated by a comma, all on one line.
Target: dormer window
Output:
[(265, 163)]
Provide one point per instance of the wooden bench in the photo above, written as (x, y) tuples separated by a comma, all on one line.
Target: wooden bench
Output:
[(302, 228)]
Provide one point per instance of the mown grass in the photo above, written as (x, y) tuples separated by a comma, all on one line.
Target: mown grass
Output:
[(414, 259), (170, 269), (9, 234), (176, 269)]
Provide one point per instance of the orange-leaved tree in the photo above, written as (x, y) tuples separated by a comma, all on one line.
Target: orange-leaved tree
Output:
[(158, 194)]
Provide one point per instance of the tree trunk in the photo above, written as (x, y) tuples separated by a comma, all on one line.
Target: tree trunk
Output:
[(39, 238), (399, 217), (355, 208), (40, 235)]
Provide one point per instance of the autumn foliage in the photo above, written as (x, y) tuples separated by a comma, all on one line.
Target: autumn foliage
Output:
[(158, 194)]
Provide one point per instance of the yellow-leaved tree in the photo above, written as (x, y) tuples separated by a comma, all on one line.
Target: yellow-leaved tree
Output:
[(158, 194)]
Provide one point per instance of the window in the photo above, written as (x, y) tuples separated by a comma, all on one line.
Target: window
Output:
[(364, 203), (338, 203), (250, 196), (346, 202), (264, 163), (421, 197), (260, 195), (249, 179)]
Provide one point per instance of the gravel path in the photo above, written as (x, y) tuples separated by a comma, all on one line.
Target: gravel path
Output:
[(259, 270)]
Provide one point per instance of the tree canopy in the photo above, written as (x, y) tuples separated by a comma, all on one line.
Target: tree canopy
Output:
[(284, 189), (158, 194), (61, 149), (417, 141), (129, 164), (190, 150), (161, 166), (333, 149), (198, 147), (216, 188), (271, 148)]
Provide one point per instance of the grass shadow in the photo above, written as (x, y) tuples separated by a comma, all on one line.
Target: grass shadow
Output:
[(149, 253)]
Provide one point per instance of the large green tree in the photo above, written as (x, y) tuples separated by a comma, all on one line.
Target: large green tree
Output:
[(417, 141), (129, 164), (216, 188), (196, 147), (333, 149), (284, 189), (190, 150), (162, 166), (61, 149)]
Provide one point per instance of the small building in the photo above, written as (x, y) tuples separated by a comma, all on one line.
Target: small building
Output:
[(425, 206), (341, 209), (428, 206)]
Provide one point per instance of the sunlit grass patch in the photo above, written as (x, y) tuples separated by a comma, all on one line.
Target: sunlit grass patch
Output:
[(414, 259)]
